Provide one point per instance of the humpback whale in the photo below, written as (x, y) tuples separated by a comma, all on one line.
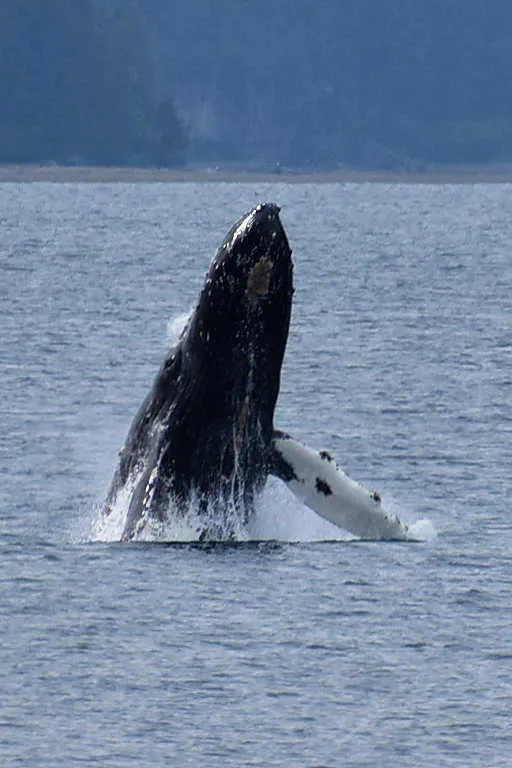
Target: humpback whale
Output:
[(204, 435)]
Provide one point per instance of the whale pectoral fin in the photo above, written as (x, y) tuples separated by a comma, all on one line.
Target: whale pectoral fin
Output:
[(319, 483)]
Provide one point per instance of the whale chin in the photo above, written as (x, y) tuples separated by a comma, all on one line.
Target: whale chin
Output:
[(203, 435)]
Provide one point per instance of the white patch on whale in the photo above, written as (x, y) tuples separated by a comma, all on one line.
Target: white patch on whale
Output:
[(319, 483)]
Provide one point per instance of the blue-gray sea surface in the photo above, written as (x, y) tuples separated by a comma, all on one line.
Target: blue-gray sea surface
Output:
[(307, 649)]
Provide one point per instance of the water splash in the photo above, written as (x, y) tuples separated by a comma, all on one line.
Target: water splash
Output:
[(417, 530), (176, 326), (423, 530), (110, 527), (281, 517), (278, 517)]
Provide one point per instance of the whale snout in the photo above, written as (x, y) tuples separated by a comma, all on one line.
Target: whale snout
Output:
[(257, 234), (262, 222), (253, 265)]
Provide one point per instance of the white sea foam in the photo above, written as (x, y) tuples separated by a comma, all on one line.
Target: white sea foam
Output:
[(423, 530), (110, 527), (417, 530), (176, 326), (279, 516)]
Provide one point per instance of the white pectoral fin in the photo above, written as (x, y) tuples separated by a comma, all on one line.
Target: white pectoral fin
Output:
[(320, 484)]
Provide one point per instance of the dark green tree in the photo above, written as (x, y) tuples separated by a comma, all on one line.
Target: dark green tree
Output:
[(380, 83), (77, 85)]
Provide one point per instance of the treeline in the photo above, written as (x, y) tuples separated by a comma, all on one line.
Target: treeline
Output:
[(326, 83), (291, 83), (77, 86)]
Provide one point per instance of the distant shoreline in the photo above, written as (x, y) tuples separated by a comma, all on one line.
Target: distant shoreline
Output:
[(110, 175)]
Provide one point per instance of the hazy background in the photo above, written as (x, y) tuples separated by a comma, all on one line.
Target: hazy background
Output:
[(290, 84)]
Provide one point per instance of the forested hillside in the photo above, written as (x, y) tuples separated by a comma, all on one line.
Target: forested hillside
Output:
[(77, 85), (380, 83), (296, 83)]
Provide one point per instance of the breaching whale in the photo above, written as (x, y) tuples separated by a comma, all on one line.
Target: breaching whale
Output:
[(204, 435)]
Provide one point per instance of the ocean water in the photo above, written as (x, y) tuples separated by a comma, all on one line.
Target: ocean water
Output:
[(304, 647)]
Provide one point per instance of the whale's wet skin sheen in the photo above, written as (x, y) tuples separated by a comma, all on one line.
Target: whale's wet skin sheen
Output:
[(203, 442)]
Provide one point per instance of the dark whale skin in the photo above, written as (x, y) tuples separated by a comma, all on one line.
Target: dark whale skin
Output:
[(204, 431)]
